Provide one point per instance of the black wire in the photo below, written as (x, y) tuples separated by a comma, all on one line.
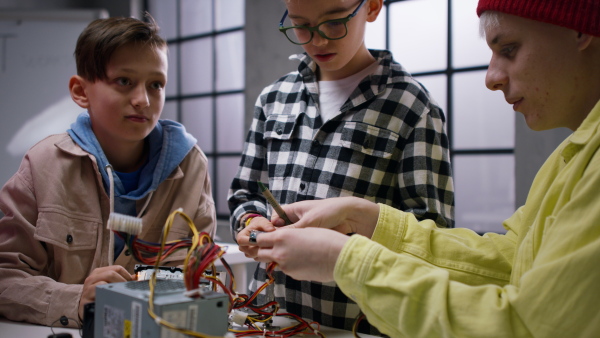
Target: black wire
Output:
[(63, 318)]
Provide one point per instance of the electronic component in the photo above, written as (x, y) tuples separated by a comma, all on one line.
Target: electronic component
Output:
[(144, 272), (121, 310)]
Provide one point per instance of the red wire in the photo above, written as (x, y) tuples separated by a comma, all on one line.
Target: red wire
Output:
[(201, 260)]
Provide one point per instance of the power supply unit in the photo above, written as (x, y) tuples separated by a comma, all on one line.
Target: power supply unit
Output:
[(121, 310)]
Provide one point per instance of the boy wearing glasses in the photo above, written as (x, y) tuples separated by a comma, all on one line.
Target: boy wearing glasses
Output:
[(349, 122)]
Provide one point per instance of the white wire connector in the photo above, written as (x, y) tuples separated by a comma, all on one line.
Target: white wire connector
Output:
[(238, 317), (124, 223)]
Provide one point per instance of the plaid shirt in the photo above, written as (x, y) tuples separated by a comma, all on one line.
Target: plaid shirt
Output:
[(386, 144)]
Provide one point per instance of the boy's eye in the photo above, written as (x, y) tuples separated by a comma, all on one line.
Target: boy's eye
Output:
[(298, 24), (508, 50), (123, 81), (333, 23), (157, 85)]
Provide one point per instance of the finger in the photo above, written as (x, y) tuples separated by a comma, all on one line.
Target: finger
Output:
[(264, 255), (123, 273), (91, 294), (266, 239), (115, 273), (244, 241), (249, 251), (243, 237), (110, 274), (302, 223), (260, 223), (278, 221), (291, 226)]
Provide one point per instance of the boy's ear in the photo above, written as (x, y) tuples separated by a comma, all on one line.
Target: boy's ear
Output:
[(373, 9), (584, 40), (77, 86)]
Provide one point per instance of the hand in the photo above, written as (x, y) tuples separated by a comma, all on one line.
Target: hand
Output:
[(104, 275), (243, 237), (303, 254), (343, 214)]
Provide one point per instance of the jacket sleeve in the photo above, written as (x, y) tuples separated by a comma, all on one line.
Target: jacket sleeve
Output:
[(405, 294), (425, 175), (469, 258), (244, 194), (26, 292)]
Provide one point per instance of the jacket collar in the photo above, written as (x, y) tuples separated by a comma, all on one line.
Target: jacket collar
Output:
[(69, 146), (375, 84), (583, 134)]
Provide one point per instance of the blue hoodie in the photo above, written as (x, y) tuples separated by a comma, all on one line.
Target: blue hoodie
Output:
[(168, 144)]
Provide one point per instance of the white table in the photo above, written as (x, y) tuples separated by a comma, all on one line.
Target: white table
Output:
[(237, 260), (10, 329)]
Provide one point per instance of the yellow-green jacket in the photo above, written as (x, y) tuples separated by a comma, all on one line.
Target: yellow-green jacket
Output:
[(541, 279)]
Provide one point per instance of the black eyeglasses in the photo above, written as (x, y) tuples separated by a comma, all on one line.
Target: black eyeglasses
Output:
[(330, 29)]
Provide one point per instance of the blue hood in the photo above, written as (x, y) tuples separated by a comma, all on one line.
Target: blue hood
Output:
[(168, 144)]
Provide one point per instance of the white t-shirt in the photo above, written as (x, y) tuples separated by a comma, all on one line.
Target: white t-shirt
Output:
[(333, 94)]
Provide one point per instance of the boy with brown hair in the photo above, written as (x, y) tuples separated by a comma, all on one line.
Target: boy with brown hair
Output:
[(54, 243)]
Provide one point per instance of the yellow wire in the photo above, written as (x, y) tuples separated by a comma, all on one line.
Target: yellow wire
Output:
[(152, 281), (196, 238), (358, 318)]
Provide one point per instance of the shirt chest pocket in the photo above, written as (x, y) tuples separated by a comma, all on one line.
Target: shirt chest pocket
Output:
[(282, 147), (369, 140), (67, 232), (279, 127)]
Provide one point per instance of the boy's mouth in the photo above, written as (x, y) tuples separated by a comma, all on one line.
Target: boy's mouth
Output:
[(324, 57), (136, 118)]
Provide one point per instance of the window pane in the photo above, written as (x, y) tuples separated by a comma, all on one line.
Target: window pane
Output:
[(418, 34), (482, 118), (196, 16), (196, 115), (226, 168), (229, 13), (165, 14), (230, 61), (169, 111), (484, 191), (437, 86), (230, 123), (172, 76), (196, 66), (375, 33), (468, 49)]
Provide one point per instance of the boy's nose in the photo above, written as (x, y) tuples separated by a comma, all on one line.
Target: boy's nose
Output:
[(495, 77), (140, 98), (318, 40)]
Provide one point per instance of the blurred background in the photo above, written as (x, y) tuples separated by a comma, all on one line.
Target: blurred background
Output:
[(223, 52)]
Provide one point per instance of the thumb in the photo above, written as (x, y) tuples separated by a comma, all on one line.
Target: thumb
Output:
[(302, 223), (277, 221)]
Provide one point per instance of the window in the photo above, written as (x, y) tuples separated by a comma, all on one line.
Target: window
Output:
[(438, 42), (206, 80)]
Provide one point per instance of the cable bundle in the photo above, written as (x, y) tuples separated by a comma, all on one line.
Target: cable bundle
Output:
[(202, 253)]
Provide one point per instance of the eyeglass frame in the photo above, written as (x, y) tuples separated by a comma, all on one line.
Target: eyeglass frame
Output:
[(316, 28)]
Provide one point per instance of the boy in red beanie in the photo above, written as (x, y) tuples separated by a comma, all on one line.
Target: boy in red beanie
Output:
[(541, 278)]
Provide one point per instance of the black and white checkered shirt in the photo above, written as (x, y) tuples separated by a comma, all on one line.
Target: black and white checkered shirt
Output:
[(386, 144)]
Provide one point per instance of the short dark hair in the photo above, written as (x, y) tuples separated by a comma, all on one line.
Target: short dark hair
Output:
[(99, 40)]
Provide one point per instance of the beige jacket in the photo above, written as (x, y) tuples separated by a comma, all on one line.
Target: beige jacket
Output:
[(54, 231)]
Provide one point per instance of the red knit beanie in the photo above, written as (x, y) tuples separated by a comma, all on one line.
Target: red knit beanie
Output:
[(579, 15)]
